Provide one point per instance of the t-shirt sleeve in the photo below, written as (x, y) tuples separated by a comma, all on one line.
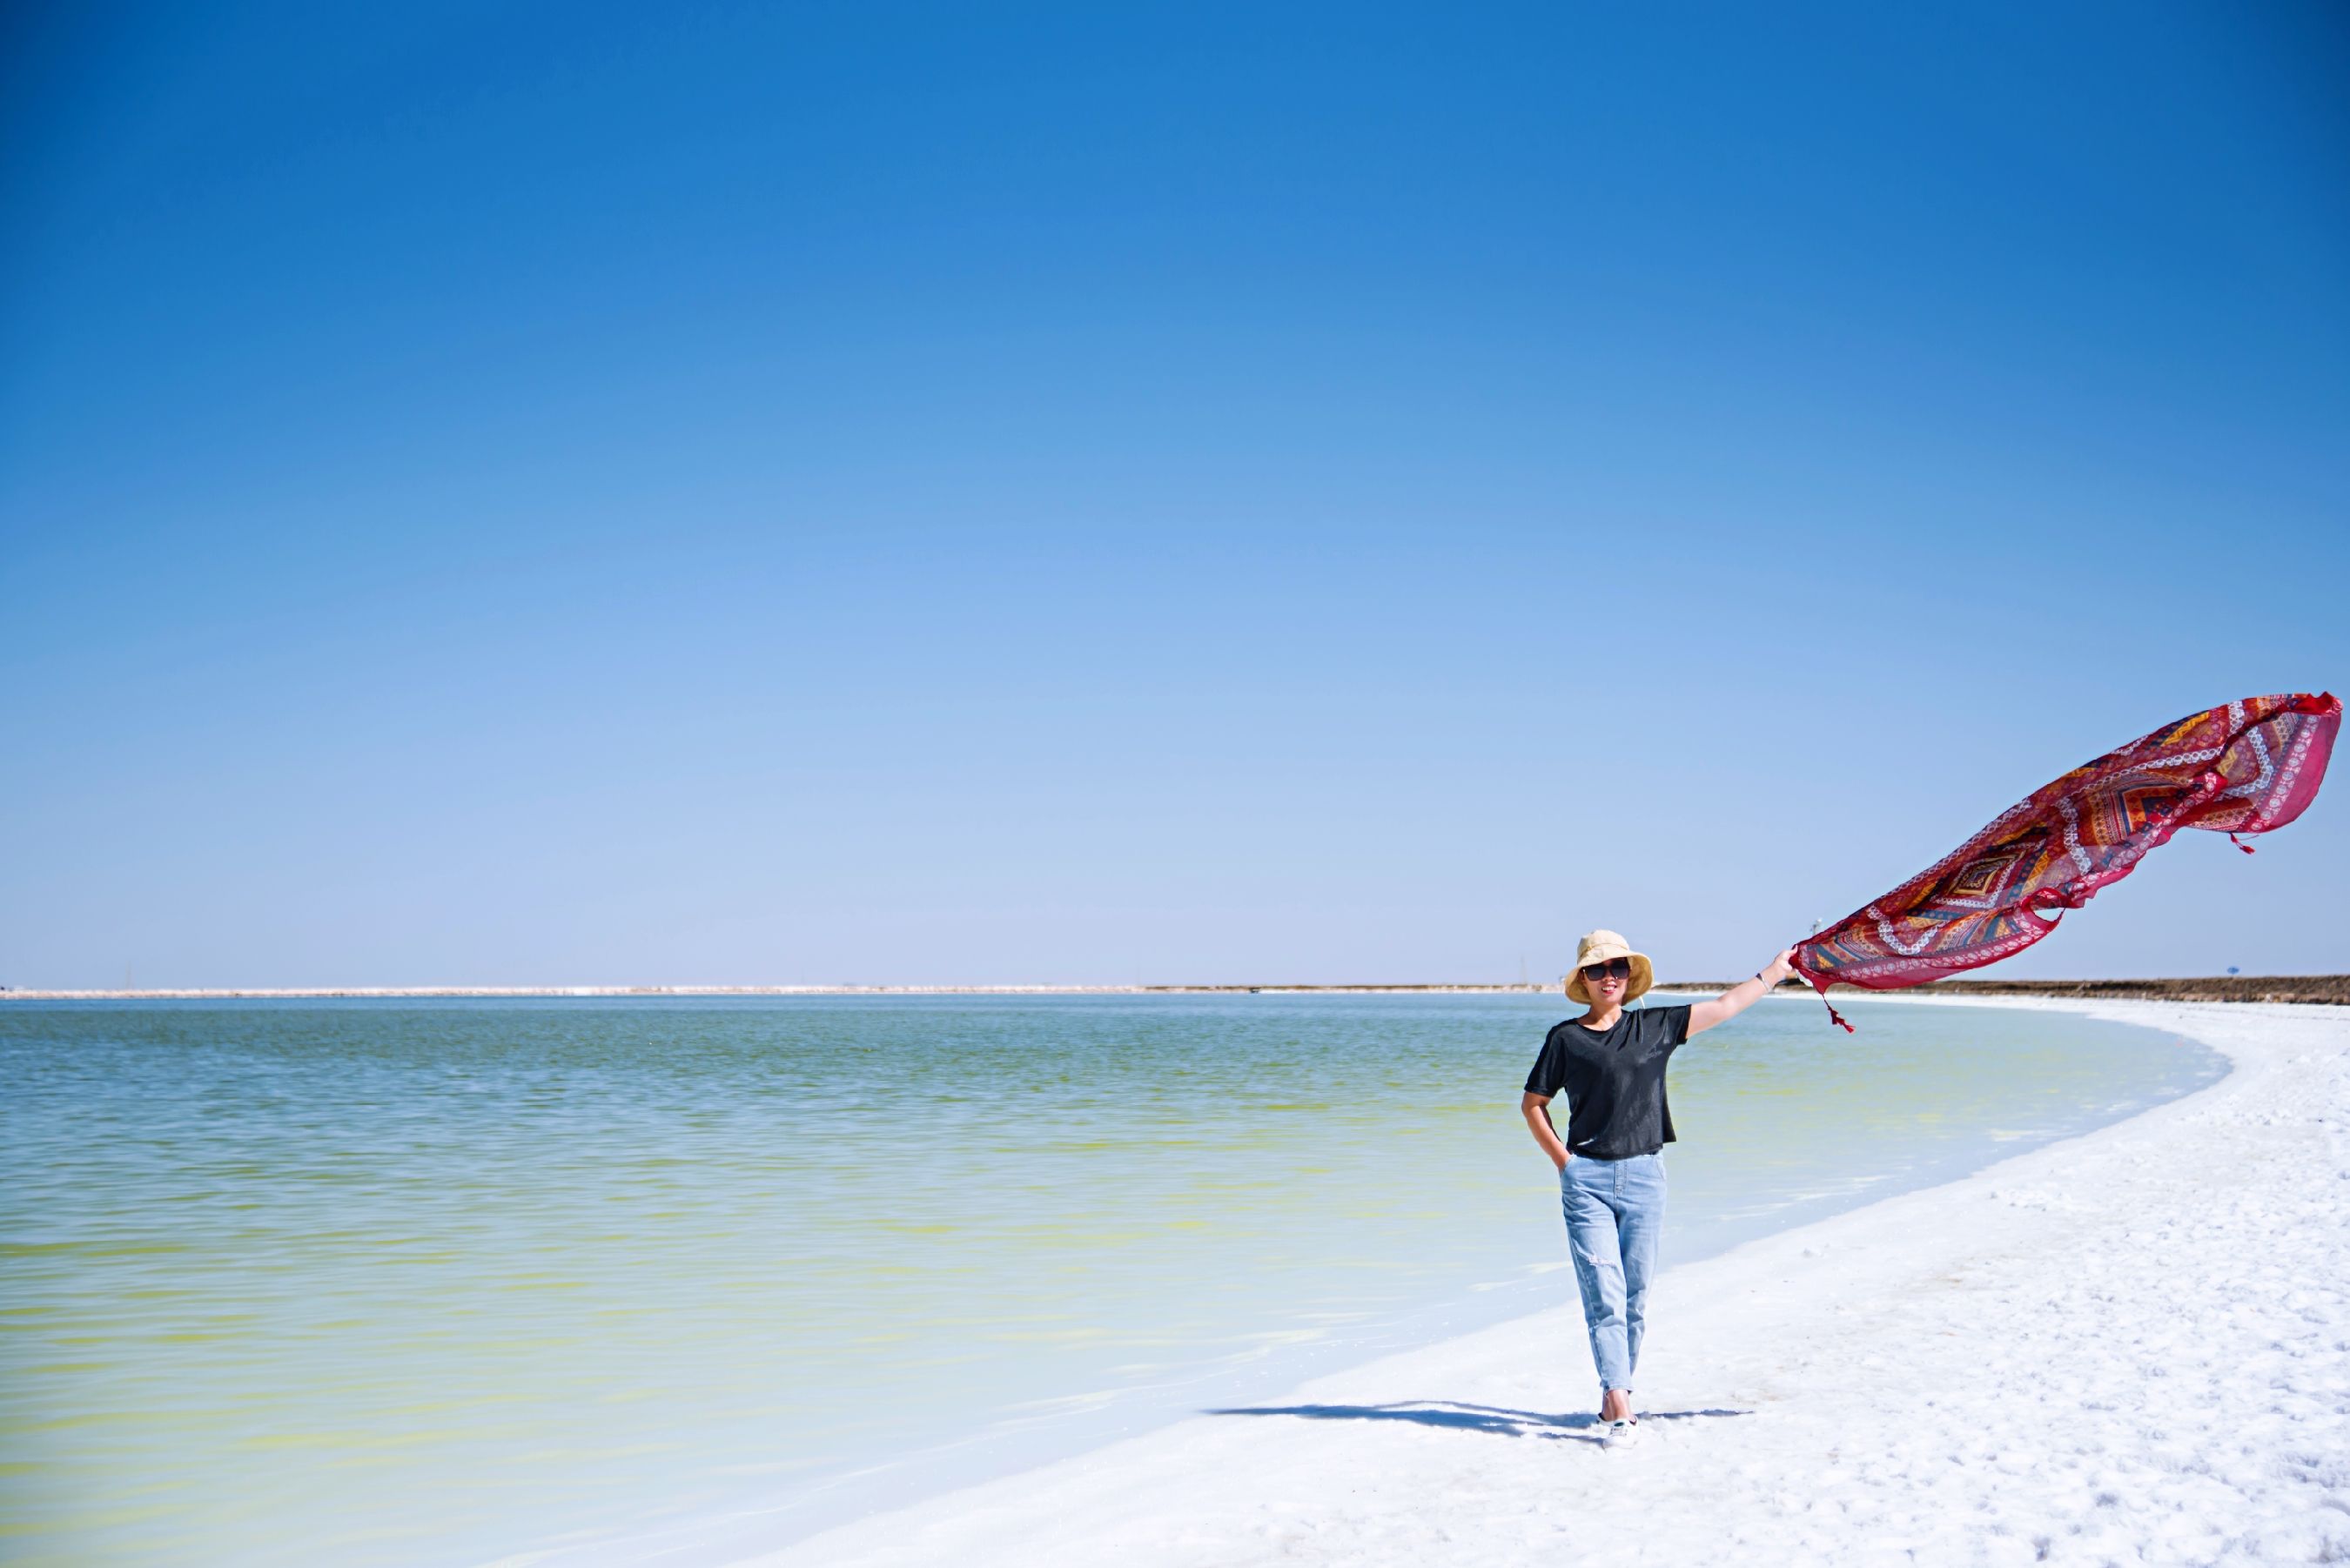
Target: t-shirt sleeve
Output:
[(1545, 1077), (1674, 1022)]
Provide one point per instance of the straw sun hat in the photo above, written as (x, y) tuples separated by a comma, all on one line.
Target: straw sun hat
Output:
[(1598, 947)]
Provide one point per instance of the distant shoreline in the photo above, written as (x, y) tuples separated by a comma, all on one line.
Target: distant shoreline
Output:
[(2323, 988)]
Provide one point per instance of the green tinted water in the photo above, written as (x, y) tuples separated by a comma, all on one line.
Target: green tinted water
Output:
[(425, 1283)]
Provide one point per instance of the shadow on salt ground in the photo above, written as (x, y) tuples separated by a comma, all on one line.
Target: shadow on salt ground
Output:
[(1470, 1417)]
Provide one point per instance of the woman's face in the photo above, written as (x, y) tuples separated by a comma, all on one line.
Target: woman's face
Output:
[(1609, 980)]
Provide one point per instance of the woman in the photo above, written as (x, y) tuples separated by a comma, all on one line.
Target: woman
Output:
[(1610, 1065)]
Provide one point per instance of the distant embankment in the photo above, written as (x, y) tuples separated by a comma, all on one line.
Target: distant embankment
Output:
[(2330, 987)]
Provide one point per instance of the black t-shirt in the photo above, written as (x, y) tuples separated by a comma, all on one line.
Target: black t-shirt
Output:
[(1614, 1080)]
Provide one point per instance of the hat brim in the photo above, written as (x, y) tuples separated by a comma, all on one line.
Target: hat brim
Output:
[(1644, 975)]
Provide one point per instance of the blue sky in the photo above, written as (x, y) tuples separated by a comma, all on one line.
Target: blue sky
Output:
[(518, 495)]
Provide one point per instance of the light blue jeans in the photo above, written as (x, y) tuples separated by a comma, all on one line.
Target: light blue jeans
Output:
[(1615, 1208)]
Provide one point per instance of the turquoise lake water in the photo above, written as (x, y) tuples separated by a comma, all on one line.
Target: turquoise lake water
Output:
[(444, 1283)]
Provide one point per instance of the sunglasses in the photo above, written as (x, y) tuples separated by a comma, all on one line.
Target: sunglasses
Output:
[(1613, 968)]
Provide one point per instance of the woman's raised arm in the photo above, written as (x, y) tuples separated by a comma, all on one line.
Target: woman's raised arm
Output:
[(1741, 996)]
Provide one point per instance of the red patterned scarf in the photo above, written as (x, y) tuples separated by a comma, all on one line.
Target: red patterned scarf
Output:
[(2245, 768)]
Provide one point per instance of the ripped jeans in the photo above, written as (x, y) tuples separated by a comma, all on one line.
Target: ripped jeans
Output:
[(1615, 1208)]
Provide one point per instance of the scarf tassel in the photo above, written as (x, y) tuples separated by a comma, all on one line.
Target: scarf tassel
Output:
[(1816, 983)]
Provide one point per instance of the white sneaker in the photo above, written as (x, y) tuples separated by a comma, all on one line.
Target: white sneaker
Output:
[(1620, 1434)]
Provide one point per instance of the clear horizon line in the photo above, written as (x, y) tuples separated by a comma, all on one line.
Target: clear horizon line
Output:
[(160, 993)]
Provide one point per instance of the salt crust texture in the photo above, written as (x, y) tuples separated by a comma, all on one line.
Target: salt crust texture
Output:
[(2128, 1347)]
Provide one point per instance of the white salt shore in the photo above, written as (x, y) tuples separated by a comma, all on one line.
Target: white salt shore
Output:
[(2129, 1348)]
